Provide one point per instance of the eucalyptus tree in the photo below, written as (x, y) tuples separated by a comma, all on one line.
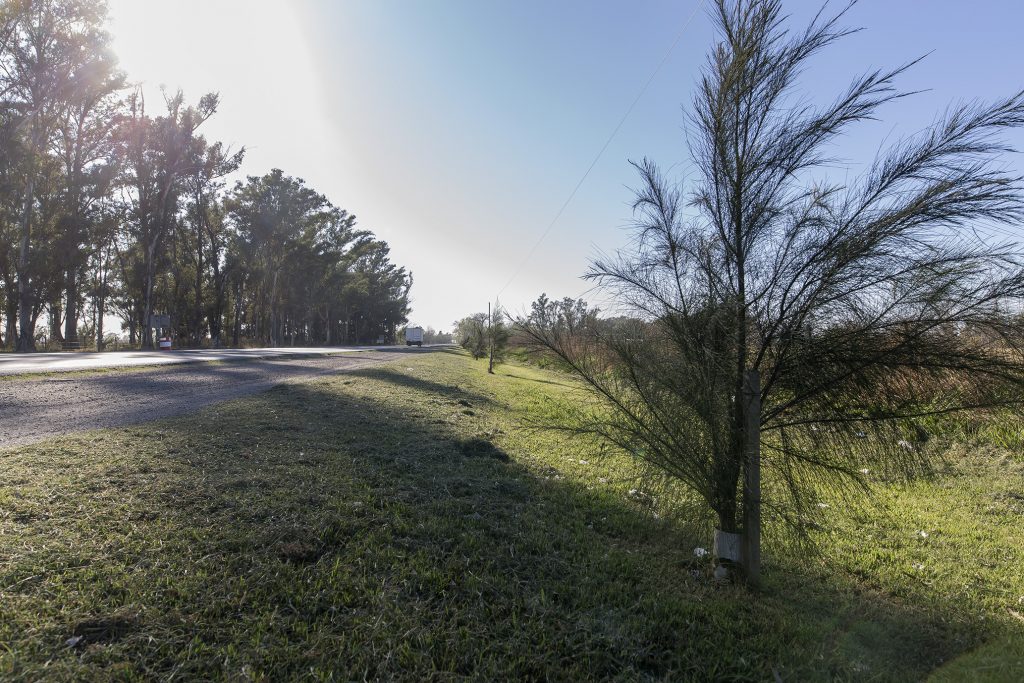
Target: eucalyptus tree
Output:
[(204, 215), (159, 154), (51, 51), (84, 142), (383, 302), (11, 151), (272, 214), (849, 310)]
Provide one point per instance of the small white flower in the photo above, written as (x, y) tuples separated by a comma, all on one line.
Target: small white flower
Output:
[(823, 505), (861, 435), (905, 445), (865, 471), (602, 480), (584, 462), (922, 534), (700, 552), (632, 492), (918, 566)]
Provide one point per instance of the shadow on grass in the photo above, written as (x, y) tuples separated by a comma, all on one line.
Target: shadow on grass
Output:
[(318, 531), (409, 382), (537, 380)]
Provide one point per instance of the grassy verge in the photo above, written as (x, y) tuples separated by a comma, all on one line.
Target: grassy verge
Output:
[(400, 522)]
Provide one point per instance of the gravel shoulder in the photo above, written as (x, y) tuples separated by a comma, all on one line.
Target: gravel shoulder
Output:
[(35, 409)]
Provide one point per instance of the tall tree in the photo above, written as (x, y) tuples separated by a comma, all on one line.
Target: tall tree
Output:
[(50, 53), (205, 215), (84, 143), (160, 153), (280, 222)]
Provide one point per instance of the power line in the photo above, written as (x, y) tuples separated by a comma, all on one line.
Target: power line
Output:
[(600, 153)]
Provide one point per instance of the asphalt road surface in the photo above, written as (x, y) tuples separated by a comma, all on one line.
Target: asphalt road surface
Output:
[(18, 363), (33, 409)]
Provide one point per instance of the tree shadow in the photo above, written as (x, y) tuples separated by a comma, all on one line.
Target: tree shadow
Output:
[(412, 383), (314, 531), (537, 380)]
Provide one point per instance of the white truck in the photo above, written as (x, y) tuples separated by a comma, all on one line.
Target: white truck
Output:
[(414, 336)]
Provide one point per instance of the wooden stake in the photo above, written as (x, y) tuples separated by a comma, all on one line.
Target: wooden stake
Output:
[(490, 338)]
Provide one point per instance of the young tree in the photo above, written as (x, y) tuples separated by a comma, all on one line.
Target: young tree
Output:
[(471, 334), (484, 335), (832, 316)]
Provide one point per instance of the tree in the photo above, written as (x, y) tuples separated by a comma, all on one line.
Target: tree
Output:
[(484, 335), (832, 316), (160, 153), (84, 143), (208, 235), (276, 217), (54, 51), (471, 334)]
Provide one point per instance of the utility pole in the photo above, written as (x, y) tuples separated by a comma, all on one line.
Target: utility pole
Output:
[(490, 339)]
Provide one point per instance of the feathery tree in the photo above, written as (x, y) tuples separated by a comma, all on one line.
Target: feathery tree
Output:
[(848, 310)]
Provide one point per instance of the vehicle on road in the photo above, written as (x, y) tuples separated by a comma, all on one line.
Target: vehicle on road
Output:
[(414, 336)]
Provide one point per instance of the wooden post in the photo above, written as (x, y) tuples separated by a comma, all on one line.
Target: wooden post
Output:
[(490, 338), (752, 478)]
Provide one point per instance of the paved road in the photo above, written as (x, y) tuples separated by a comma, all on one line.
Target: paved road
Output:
[(18, 363), (33, 409)]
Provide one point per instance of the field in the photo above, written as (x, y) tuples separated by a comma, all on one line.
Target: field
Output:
[(405, 522)]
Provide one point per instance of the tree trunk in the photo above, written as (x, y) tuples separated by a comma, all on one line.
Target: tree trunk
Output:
[(199, 287), (328, 324), (275, 331), (55, 320), (147, 311), (26, 323), (71, 312), (100, 310), (752, 479), (237, 329), (11, 332)]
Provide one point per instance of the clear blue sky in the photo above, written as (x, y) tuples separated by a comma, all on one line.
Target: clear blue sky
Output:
[(455, 129)]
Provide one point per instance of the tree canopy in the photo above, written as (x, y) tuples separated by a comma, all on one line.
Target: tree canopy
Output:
[(112, 206)]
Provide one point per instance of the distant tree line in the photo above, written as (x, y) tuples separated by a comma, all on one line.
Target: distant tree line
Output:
[(109, 208)]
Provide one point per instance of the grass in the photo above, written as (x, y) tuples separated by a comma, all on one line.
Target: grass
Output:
[(401, 522)]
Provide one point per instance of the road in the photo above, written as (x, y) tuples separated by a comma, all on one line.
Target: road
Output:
[(36, 408), (18, 363)]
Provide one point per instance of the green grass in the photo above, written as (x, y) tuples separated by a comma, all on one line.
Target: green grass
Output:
[(402, 522)]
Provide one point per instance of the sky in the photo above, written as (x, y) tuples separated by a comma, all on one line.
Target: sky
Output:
[(456, 129)]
